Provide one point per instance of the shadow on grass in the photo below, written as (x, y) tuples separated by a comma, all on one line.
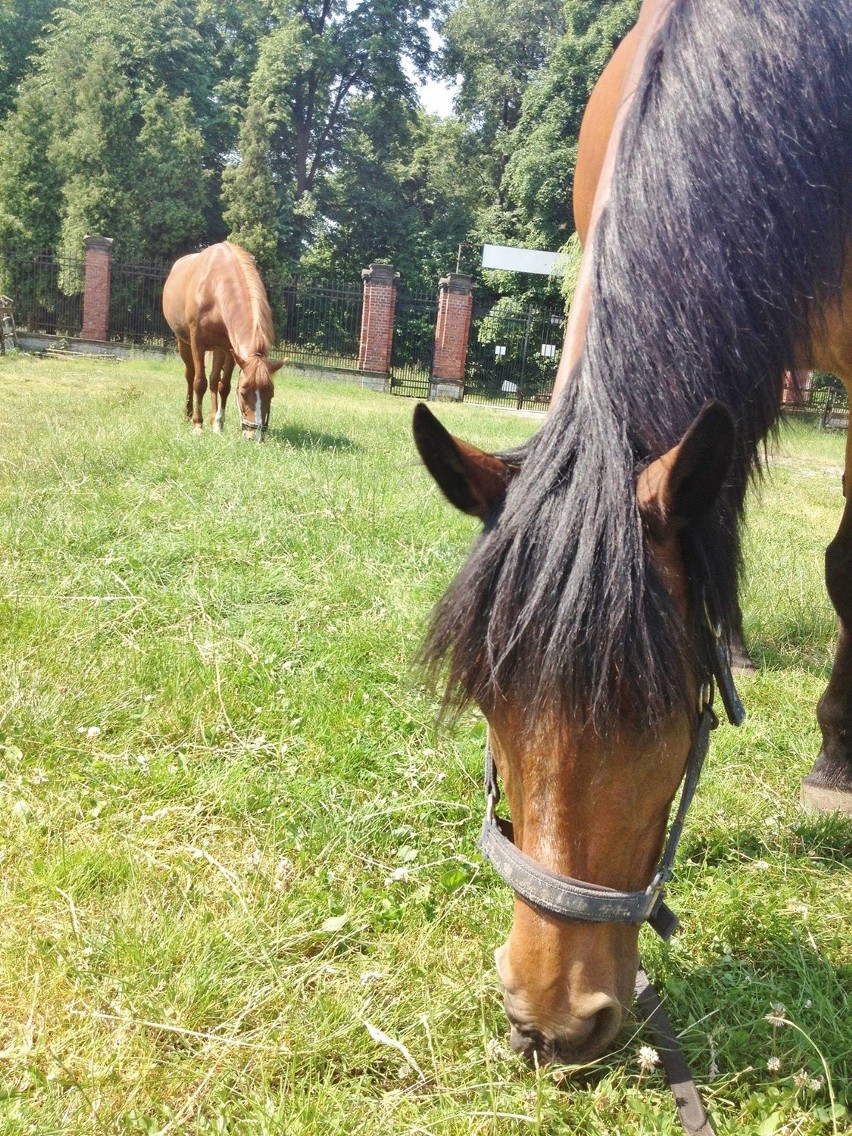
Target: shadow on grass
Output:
[(730, 998), (723, 1012), (298, 439), (790, 645), (814, 838)]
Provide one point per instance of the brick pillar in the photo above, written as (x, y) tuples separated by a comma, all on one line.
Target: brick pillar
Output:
[(96, 296), (455, 307), (374, 355)]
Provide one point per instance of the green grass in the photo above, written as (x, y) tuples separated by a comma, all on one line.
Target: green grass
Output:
[(233, 837)]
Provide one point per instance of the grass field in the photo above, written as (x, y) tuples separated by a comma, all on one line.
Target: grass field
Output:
[(240, 891)]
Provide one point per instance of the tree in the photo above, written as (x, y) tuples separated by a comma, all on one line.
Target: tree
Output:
[(250, 195), (495, 47), (97, 159), (30, 185), (317, 66), (170, 155), (444, 183), (21, 23)]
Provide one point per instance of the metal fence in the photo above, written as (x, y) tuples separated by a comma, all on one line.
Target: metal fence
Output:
[(319, 323), (413, 346), (47, 290), (136, 304), (513, 354), (822, 397), (512, 357)]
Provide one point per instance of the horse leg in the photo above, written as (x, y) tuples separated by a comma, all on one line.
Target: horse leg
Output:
[(224, 386), (215, 389), (199, 386), (189, 372), (829, 784)]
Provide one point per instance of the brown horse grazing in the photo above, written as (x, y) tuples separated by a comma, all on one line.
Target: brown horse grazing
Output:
[(586, 622), (215, 301)]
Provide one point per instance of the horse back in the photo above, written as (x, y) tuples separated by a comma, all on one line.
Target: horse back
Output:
[(216, 299)]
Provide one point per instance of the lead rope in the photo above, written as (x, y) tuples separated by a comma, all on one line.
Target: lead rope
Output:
[(690, 1107), (687, 1098)]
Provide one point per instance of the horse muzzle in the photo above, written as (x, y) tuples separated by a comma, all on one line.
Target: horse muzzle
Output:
[(569, 1026)]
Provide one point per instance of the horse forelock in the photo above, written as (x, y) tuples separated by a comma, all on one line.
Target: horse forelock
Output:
[(256, 375), (729, 214)]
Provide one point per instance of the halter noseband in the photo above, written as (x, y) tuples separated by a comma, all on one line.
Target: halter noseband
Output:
[(244, 422), (262, 426), (572, 899)]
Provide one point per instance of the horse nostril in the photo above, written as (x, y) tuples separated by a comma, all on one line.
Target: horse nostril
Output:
[(605, 1025), (530, 1043), (585, 1038)]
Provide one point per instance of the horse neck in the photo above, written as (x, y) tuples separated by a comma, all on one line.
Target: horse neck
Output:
[(246, 313), (248, 334)]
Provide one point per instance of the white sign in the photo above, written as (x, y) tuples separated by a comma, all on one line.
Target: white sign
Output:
[(520, 260)]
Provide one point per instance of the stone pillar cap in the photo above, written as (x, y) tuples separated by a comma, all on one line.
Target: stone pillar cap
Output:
[(457, 282), (379, 273), (99, 244)]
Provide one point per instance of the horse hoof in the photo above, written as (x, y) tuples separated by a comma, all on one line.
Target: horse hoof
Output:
[(820, 799), (197, 429), (216, 428)]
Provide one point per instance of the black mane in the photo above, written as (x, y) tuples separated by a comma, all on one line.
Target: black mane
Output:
[(725, 230)]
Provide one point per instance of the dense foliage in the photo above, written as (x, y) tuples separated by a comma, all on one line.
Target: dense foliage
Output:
[(294, 126)]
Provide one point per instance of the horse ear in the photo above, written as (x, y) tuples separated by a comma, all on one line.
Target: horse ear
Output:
[(471, 479), (276, 365), (682, 485), (239, 360)]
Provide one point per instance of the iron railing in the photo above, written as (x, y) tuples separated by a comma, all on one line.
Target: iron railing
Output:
[(413, 347), (817, 393), (46, 290), (136, 304), (318, 323), (513, 354)]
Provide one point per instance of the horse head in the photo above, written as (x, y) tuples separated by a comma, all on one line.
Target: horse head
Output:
[(255, 393), (588, 800)]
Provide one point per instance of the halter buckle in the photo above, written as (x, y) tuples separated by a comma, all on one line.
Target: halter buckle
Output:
[(713, 626), (660, 880), (491, 808)]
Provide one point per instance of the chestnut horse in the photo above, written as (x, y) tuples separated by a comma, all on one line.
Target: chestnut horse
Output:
[(717, 149), (214, 300)]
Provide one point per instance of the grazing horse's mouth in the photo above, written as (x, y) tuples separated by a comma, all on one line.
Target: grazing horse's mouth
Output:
[(255, 428), (587, 1040)]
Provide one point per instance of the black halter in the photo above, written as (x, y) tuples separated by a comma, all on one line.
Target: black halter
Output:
[(573, 899)]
